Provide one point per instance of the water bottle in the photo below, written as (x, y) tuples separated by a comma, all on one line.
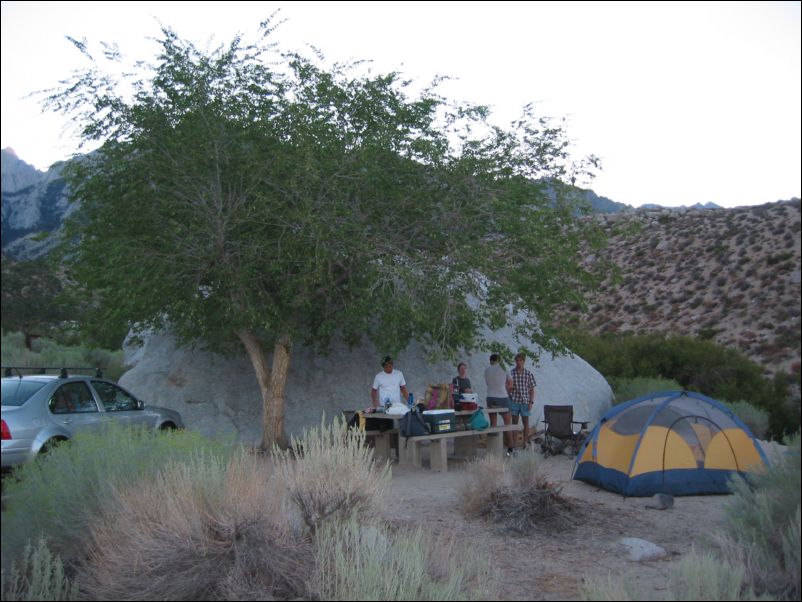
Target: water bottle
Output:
[(411, 401)]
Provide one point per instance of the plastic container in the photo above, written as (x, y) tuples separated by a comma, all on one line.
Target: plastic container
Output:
[(440, 421)]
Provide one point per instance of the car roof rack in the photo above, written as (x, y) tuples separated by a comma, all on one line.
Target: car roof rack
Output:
[(63, 372)]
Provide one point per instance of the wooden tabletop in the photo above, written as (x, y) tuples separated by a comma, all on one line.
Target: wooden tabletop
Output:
[(462, 413)]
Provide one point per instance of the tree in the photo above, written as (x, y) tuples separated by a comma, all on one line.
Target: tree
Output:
[(31, 296), (248, 197)]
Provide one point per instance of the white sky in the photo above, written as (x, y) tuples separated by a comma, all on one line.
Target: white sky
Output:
[(684, 102)]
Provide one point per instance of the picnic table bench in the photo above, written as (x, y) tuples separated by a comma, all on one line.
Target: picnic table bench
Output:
[(465, 445), (409, 450)]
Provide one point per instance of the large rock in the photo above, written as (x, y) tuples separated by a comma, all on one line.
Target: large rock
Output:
[(219, 395)]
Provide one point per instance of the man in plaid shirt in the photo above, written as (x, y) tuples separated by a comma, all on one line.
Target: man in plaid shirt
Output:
[(522, 395)]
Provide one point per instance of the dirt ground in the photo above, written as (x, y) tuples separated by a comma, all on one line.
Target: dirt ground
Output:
[(548, 565)]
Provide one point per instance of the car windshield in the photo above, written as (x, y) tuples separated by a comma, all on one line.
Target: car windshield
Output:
[(17, 391)]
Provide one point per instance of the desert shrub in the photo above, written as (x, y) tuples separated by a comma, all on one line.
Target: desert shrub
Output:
[(522, 499), (358, 562), (762, 533), (698, 576), (331, 475), (755, 418), (703, 576), (481, 480), (625, 389), (39, 576), (696, 364), (205, 528), (59, 495)]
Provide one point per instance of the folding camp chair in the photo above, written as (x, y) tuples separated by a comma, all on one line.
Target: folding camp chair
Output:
[(561, 430)]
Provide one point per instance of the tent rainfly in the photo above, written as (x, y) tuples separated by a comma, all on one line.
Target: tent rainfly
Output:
[(675, 442)]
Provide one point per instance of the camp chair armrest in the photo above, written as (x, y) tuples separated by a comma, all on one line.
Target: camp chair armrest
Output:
[(584, 423)]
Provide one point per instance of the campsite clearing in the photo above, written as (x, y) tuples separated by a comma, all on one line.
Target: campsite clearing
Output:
[(552, 564)]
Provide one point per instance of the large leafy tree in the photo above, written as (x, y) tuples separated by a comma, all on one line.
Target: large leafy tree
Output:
[(248, 197)]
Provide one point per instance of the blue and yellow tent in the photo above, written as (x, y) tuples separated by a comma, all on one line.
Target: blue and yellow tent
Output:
[(674, 442)]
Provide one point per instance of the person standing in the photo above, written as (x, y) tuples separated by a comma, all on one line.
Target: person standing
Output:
[(388, 385), (498, 385), (522, 394), (461, 383)]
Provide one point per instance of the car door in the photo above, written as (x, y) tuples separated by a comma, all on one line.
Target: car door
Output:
[(73, 408), (120, 405)]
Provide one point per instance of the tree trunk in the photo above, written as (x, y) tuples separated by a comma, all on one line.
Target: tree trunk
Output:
[(273, 421), (271, 385)]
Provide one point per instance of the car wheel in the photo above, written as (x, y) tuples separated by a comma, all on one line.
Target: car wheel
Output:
[(50, 444), (168, 426)]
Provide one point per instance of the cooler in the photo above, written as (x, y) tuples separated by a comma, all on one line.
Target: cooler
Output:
[(440, 421)]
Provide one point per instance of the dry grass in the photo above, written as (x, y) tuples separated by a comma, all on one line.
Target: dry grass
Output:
[(518, 495), (202, 530)]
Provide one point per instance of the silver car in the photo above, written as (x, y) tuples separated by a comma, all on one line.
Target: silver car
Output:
[(38, 411)]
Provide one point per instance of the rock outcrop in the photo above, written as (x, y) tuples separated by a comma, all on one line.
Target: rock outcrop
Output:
[(220, 396)]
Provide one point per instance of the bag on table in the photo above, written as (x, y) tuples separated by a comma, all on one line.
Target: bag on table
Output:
[(438, 397), (360, 421), (413, 425), (479, 421)]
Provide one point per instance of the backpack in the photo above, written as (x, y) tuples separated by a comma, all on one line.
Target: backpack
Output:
[(356, 421), (478, 421), (438, 397), (362, 422), (413, 425)]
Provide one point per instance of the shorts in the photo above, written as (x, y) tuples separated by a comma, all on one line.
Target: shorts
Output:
[(520, 409), (498, 402)]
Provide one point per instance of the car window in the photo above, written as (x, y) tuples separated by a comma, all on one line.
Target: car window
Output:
[(16, 391), (114, 399), (72, 398)]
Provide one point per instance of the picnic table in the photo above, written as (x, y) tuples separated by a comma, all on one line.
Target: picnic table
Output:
[(466, 441)]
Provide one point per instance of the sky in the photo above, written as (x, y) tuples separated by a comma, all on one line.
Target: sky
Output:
[(683, 102)]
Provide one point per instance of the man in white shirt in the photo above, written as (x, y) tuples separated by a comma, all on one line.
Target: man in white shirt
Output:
[(389, 385)]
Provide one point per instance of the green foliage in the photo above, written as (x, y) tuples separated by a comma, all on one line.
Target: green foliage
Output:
[(367, 562), (245, 193), (48, 353), (626, 389), (32, 297), (696, 365), (755, 418), (59, 495), (762, 532), (39, 576)]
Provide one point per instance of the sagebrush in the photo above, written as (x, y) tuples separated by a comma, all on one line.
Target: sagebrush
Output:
[(205, 528), (372, 562), (39, 575), (517, 494), (60, 494), (330, 474)]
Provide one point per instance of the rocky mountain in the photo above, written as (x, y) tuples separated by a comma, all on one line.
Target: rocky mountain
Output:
[(34, 207), (732, 275)]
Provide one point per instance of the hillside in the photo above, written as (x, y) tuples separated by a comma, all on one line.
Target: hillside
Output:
[(732, 275)]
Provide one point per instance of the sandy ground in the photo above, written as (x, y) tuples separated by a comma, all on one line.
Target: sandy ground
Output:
[(548, 565)]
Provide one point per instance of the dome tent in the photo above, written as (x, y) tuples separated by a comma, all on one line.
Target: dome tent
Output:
[(674, 442)]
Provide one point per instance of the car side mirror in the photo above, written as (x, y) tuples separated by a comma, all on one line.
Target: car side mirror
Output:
[(140, 405)]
